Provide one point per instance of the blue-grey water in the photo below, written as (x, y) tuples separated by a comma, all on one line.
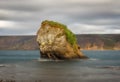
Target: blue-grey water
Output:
[(27, 66)]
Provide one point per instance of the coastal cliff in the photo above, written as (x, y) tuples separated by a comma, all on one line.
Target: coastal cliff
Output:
[(86, 42), (56, 41)]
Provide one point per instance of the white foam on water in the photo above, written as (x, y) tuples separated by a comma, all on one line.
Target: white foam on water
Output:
[(93, 59), (2, 65), (46, 60)]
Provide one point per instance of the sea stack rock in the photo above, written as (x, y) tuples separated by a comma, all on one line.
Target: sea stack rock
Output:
[(57, 42)]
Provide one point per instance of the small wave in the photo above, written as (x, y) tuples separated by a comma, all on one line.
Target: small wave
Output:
[(93, 59), (111, 67)]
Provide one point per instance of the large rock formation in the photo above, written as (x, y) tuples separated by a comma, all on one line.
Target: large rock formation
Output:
[(56, 41)]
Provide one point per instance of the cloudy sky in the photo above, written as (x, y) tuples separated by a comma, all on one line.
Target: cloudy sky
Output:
[(23, 17)]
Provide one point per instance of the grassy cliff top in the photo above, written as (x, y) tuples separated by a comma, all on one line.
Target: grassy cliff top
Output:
[(71, 38)]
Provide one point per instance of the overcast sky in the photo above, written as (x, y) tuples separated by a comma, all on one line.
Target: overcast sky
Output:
[(23, 17)]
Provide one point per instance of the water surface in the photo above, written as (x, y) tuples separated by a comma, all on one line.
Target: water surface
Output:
[(27, 66)]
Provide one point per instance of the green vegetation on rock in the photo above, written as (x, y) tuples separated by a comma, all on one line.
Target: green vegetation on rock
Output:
[(71, 38)]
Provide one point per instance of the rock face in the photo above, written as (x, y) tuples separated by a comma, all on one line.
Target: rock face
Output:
[(57, 42)]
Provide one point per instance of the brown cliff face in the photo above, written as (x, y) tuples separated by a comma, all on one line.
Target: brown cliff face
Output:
[(57, 43)]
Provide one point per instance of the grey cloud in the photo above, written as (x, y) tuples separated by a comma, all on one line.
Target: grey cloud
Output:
[(15, 32), (29, 14), (90, 29), (20, 5)]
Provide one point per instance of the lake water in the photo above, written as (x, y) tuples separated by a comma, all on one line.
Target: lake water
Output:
[(27, 66)]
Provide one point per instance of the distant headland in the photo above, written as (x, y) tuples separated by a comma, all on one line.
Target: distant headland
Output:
[(86, 42)]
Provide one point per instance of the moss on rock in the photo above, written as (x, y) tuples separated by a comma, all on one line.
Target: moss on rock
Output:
[(71, 38)]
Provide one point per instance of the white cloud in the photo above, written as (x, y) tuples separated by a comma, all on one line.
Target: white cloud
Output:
[(6, 24)]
